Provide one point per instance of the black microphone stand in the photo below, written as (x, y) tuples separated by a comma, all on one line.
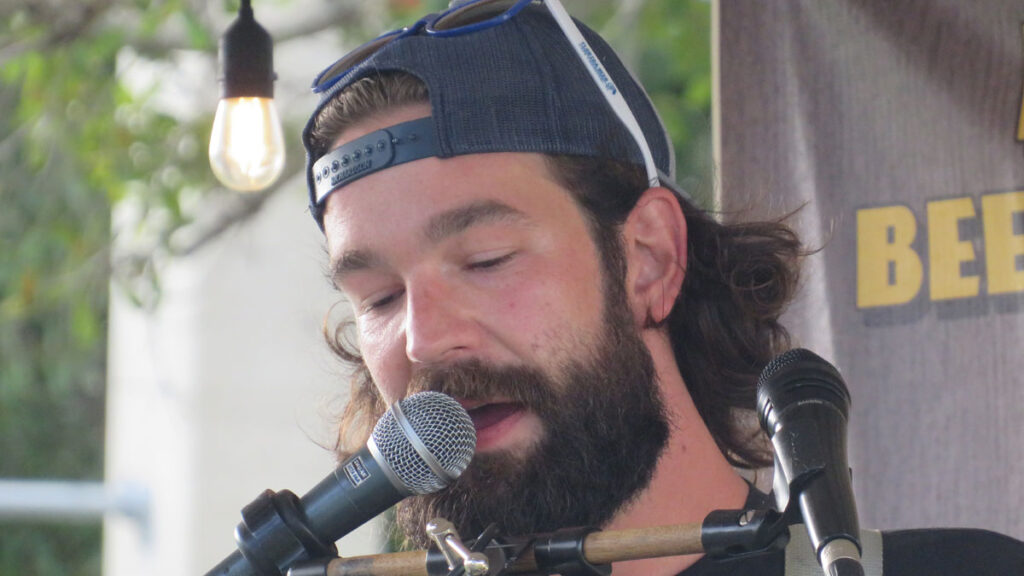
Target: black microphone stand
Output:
[(723, 534)]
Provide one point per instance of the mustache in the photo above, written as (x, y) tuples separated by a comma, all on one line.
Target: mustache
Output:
[(473, 380)]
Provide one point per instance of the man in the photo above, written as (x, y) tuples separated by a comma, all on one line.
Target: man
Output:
[(503, 237)]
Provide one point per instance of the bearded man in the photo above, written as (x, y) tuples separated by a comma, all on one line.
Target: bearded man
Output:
[(499, 207)]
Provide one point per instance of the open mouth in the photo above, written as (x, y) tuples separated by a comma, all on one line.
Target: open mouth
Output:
[(489, 415)]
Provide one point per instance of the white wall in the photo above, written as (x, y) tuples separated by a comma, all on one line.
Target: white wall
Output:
[(217, 395)]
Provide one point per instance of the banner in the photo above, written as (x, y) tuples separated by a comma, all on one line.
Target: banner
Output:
[(897, 130)]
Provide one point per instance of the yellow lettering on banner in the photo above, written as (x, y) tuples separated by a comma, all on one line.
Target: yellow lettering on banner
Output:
[(946, 251), (884, 237), (1003, 248), (1020, 122), (1020, 117)]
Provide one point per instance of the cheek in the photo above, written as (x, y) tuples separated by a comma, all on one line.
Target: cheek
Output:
[(578, 286), (383, 352), (555, 312)]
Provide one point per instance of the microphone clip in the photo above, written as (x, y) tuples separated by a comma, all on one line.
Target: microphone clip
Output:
[(741, 533), (275, 527)]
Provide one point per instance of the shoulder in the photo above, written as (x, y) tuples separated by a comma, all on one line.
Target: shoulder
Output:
[(951, 551)]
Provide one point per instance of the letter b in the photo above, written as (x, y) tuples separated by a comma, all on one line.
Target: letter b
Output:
[(889, 271)]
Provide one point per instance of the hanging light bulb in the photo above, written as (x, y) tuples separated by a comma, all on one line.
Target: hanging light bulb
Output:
[(246, 145)]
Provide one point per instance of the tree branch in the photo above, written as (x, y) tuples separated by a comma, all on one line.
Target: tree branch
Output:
[(67, 26), (88, 18), (187, 241), (332, 15)]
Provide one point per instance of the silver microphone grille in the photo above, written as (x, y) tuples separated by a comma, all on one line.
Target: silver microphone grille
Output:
[(444, 428)]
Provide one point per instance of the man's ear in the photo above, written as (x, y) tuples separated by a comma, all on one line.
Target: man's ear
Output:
[(655, 246)]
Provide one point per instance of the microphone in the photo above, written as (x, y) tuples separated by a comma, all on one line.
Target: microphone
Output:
[(803, 405), (419, 446)]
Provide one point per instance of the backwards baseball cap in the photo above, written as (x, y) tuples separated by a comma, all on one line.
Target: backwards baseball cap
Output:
[(502, 76)]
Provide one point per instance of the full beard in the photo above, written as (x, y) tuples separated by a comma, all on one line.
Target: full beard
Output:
[(604, 429)]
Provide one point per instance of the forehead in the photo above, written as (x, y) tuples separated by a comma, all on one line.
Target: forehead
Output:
[(401, 198), (421, 196)]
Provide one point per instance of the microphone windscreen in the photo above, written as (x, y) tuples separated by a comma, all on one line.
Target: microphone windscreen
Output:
[(443, 427), (797, 376)]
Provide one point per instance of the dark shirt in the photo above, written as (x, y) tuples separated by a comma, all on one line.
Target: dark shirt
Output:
[(935, 552), (930, 552)]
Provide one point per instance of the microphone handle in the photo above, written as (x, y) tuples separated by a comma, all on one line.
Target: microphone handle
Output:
[(841, 557), (356, 491), (233, 565)]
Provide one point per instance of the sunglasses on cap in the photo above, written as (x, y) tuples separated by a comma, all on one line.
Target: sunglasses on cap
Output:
[(476, 15)]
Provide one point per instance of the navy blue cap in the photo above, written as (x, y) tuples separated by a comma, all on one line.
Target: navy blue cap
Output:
[(515, 87)]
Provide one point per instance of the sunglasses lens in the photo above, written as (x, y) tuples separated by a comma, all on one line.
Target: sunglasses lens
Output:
[(335, 71), (472, 13)]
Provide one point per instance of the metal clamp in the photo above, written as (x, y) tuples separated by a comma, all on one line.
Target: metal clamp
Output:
[(443, 533)]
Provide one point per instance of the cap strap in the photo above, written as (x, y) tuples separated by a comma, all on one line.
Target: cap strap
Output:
[(372, 152)]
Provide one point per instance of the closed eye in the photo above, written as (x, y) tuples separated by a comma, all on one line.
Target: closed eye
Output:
[(490, 262), (381, 303)]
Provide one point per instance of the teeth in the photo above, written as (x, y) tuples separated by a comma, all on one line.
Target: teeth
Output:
[(471, 405)]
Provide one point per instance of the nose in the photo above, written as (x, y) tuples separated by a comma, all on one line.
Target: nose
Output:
[(438, 324)]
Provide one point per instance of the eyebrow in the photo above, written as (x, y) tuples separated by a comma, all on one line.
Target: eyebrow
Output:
[(457, 220), (353, 261), (440, 227)]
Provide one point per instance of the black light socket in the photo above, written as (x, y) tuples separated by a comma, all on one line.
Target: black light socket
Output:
[(246, 58)]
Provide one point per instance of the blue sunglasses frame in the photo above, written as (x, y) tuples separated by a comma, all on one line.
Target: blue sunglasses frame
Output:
[(425, 25)]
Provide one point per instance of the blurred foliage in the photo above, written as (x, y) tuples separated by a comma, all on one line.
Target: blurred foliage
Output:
[(75, 142), (667, 45)]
